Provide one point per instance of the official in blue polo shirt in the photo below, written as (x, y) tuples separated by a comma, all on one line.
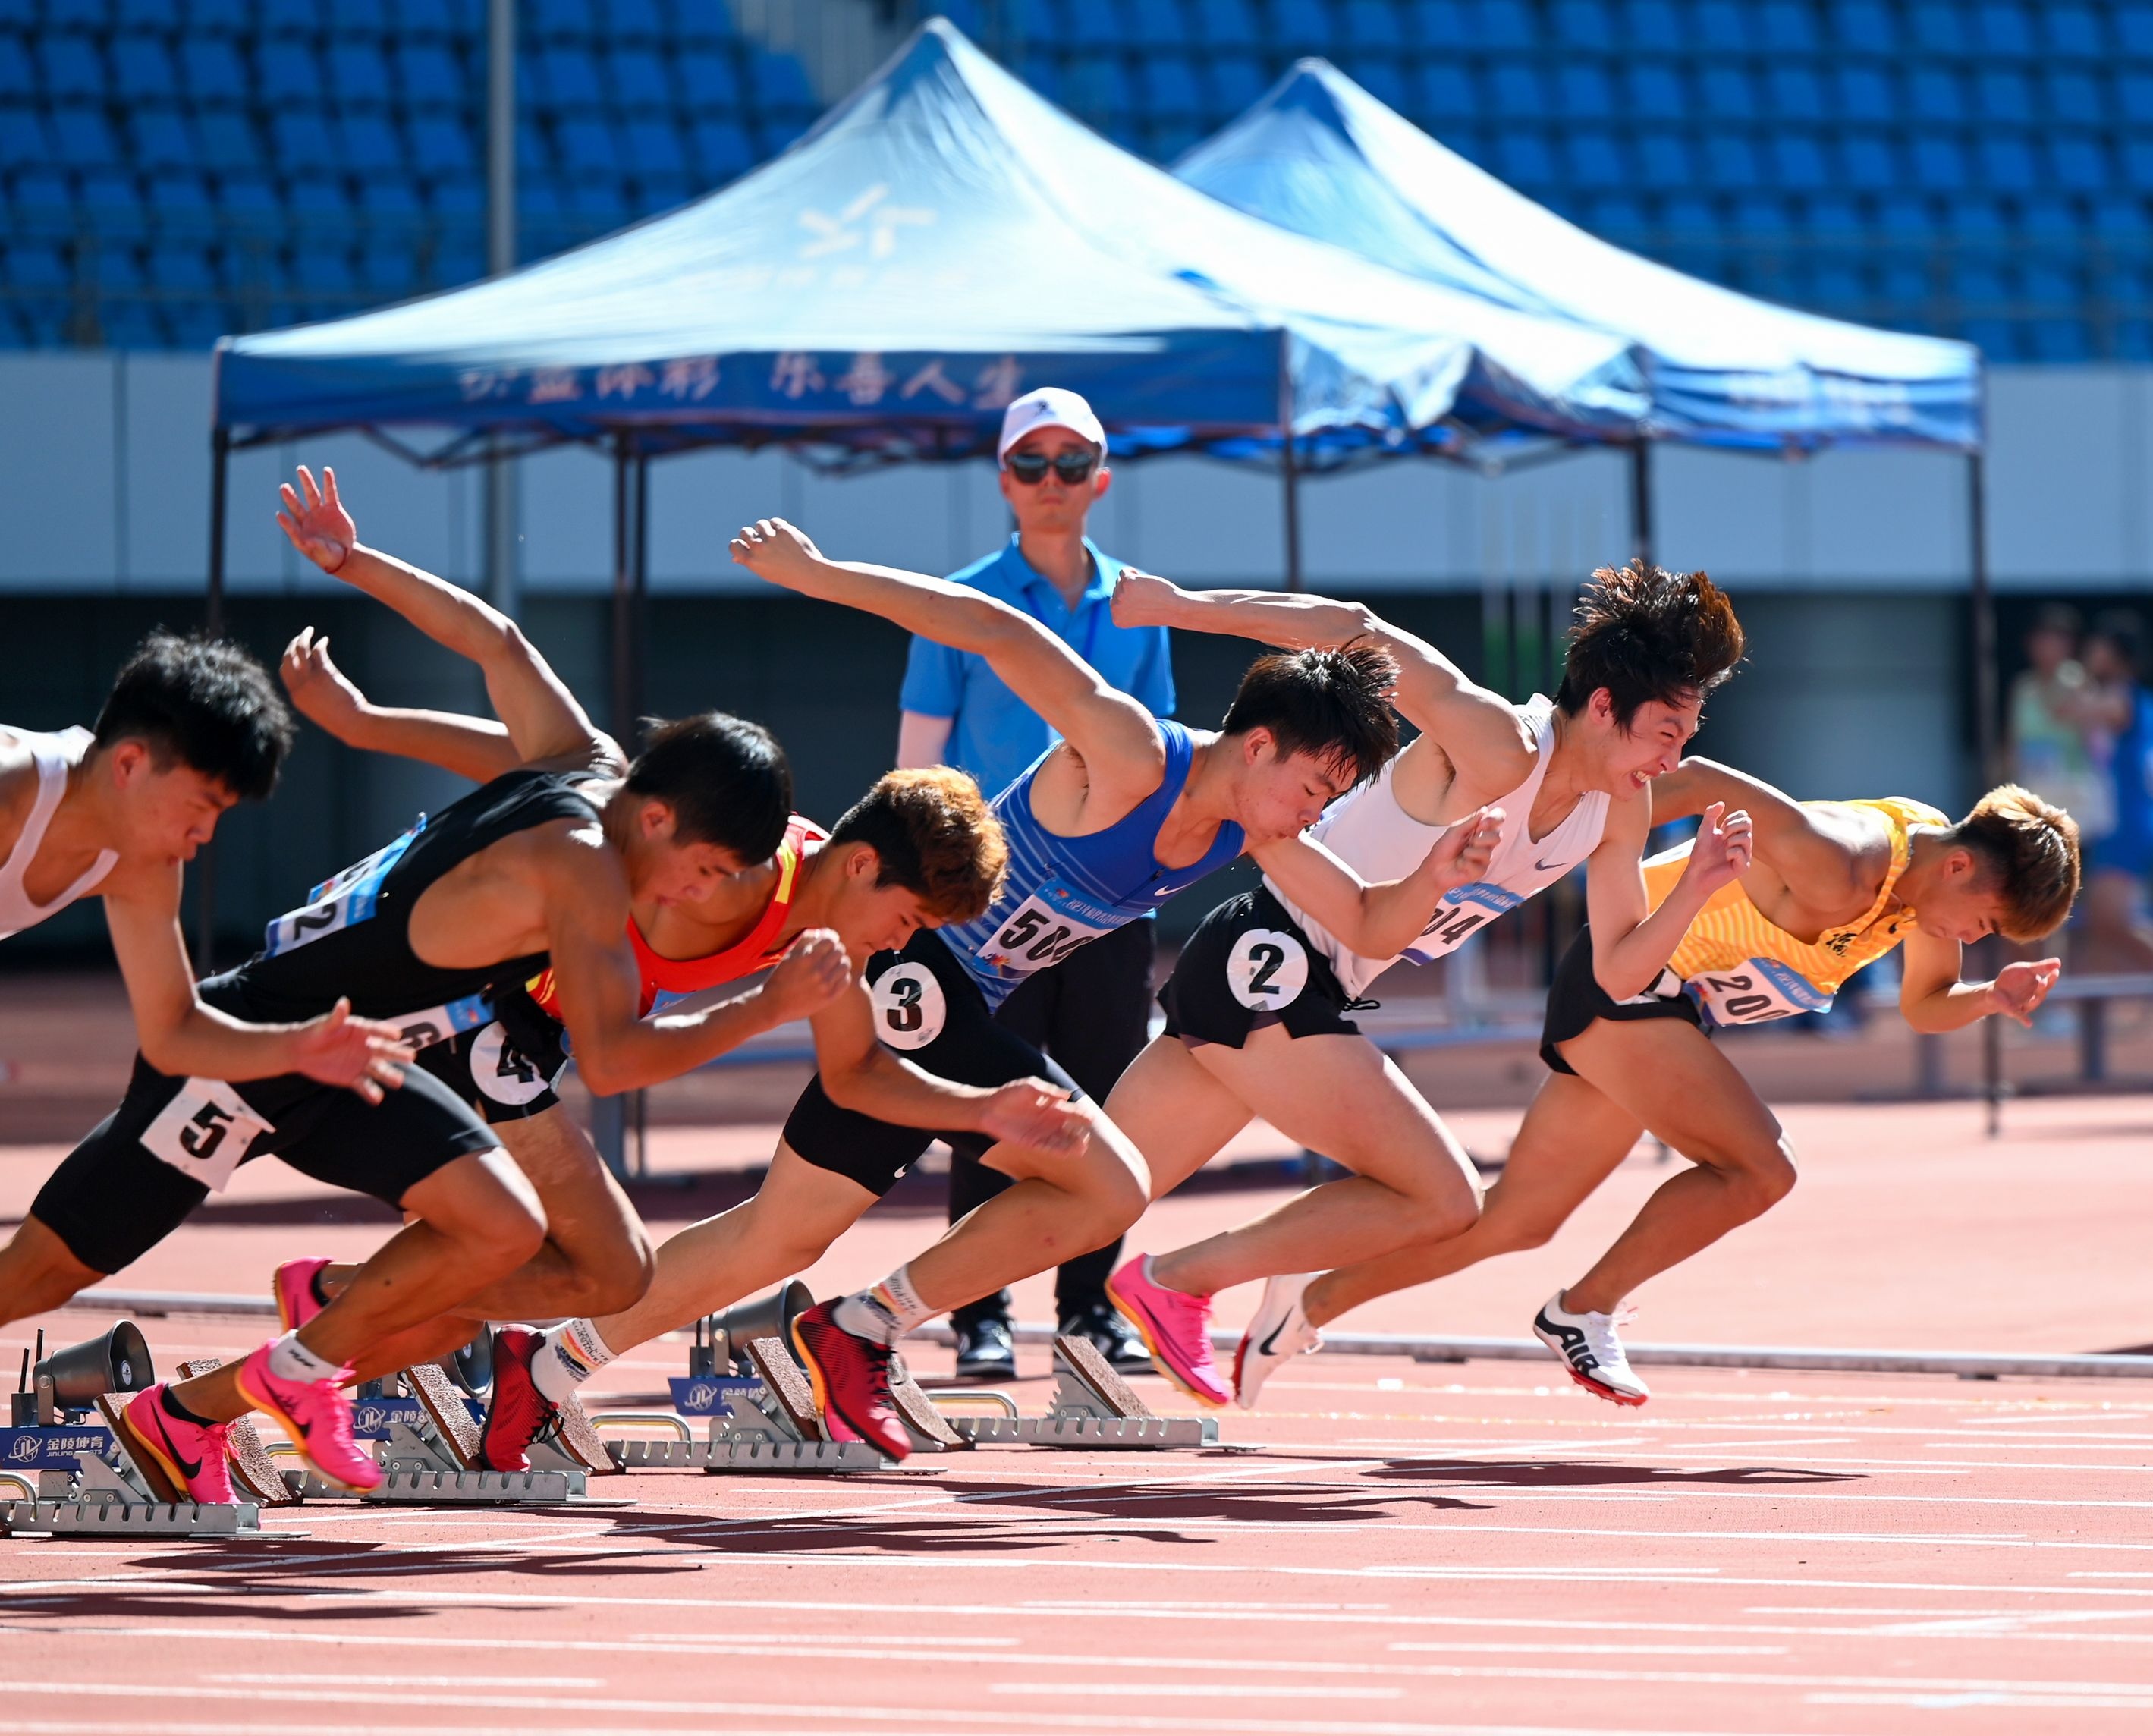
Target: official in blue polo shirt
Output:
[(1091, 1011)]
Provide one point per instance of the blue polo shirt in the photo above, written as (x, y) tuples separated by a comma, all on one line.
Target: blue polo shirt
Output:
[(995, 735)]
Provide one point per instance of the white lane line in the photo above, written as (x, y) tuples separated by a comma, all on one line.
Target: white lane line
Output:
[(846, 1721), (1973, 1701), (1588, 1453), (1197, 1690), (1468, 1526), (288, 1679)]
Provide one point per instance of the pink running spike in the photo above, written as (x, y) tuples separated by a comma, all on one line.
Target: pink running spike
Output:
[(316, 1415), (1176, 1328)]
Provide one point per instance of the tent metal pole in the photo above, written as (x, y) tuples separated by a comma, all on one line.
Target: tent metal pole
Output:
[(219, 466), (502, 587), (1641, 501), (1289, 469), (610, 1116), (639, 614), (1987, 734)]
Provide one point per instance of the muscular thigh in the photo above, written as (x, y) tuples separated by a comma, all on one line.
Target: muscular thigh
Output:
[(1573, 1138), (1666, 1075), (584, 1206), (1342, 1096), (1175, 1112)]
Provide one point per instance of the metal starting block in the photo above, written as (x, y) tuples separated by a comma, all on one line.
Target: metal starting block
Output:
[(113, 1497), (1093, 1408)]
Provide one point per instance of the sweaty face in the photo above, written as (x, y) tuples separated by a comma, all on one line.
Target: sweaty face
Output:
[(666, 874), (1283, 798), (173, 812), (1651, 744), (871, 919)]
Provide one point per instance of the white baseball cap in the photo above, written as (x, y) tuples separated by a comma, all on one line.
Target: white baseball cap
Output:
[(1049, 407)]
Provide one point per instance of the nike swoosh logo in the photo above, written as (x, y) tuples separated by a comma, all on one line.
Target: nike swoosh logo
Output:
[(1270, 1344), (189, 1469), (1549, 868)]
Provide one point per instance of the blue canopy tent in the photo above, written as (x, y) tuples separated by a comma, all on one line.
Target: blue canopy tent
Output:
[(1320, 155)]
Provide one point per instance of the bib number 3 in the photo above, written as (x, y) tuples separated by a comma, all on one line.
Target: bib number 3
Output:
[(205, 1132), (1266, 970), (909, 1008)]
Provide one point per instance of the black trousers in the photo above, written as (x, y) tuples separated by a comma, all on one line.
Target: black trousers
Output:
[(1092, 1013)]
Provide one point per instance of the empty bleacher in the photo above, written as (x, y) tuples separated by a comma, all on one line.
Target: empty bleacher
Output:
[(1983, 168)]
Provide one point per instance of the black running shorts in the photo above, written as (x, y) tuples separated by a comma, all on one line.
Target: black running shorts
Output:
[(1575, 998), (133, 1181), (508, 1070), (1250, 964), (933, 1015)]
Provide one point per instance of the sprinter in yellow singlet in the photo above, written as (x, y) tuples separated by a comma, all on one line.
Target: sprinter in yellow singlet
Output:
[(1834, 886)]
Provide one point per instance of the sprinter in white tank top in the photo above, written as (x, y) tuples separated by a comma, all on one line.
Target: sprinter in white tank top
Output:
[(1571, 781)]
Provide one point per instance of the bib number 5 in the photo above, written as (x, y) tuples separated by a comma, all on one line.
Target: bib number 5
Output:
[(205, 1132)]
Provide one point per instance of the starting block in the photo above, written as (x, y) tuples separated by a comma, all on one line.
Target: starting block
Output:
[(115, 1497), (1093, 1408)]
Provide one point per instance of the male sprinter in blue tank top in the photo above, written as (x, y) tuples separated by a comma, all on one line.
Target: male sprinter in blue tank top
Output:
[(1120, 814)]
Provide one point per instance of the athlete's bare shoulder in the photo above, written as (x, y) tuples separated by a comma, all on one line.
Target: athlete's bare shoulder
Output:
[(144, 883), (18, 786), (1861, 837)]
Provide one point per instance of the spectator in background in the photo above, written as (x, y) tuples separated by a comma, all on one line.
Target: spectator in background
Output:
[(1093, 1011), (2051, 716), (2116, 935)]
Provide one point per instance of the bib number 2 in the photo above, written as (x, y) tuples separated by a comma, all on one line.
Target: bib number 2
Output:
[(1266, 970), (1760, 989)]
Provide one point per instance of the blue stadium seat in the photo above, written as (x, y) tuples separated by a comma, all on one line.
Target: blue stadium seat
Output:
[(459, 199), (1594, 157), (389, 271), (636, 77), (721, 149), (2073, 95), (131, 325), (534, 152), (588, 147), (1664, 160), (183, 267), (1447, 93), (2007, 163), (1232, 82), (1838, 288), (70, 67), (1614, 217), (1864, 27), (113, 266), (456, 260), (1369, 24), (568, 81), (1787, 27), (250, 201), (1517, 91), (711, 21), (1225, 24), (2078, 162), (633, 21), (82, 137), (2004, 97), (1934, 94), (1653, 26), (1727, 90), (161, 138), (2134, 98), (1865, 94), (18, 78), (658, 193), (1380, 76), (368, 18), (2050, 224), (1869, 162), (1796, 162), (1299, 27), (2073, 32), (289, 73), (289, 17), (142, 69), (1939, 162), (228, 139), (1730, 162), (1505, 23), (710, 83), (36, 265), (775, 132), (299, 137), (653, 147), (179, 203), (1792, 93), (359, 74), (1438, 26), (441, 145), (1583, 91), (1522, 158), (2133, 31), (113, 204), (561, 21), (2057, 341), (1940, 29), (2003, 32), (2137, 162), (1720, 26), (427, 76), (369, 146), (1166, 87), (1833, 217), (24, 142), (218, 18), (1658, 93), (1587, 25), (78, 14)]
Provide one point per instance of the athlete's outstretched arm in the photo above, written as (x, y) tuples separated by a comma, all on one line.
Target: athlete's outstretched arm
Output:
[(1380, 920), (1631, 942), (180, 1036), (1931, 998), (1124, 756), (858, 1073), (1479, 731), (474, 747), (545, 722), (1804, 844)]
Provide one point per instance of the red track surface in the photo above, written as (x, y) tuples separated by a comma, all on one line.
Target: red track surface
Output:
[(1417, 1548)]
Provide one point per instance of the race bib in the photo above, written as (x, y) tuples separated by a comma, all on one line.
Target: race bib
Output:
[(505, 1073), (1462, 911), (910, 1010), (339, 902), (1757, 989), (1046, 929), (205, 1132), (438, 1024), (1266, 970)]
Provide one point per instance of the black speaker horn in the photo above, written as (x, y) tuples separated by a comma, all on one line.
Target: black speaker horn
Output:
[(471, 1367), (770, 1317), (72, 1378)]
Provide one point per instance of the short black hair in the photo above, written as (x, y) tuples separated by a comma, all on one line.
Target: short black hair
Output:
[(1644, 634), (1334, 705), (726, 779), (204, 703)]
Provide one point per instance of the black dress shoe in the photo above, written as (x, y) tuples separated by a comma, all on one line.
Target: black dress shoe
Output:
[(985, 1351), (1114, 1337)]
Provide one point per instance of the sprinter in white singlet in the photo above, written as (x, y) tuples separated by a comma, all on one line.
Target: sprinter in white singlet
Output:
[(1258, 1008)]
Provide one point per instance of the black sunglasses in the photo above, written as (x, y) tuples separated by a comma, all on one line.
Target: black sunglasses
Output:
[(1030, 468)]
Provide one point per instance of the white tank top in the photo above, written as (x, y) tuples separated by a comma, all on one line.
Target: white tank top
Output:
[(56, 756), (1372, 834)]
